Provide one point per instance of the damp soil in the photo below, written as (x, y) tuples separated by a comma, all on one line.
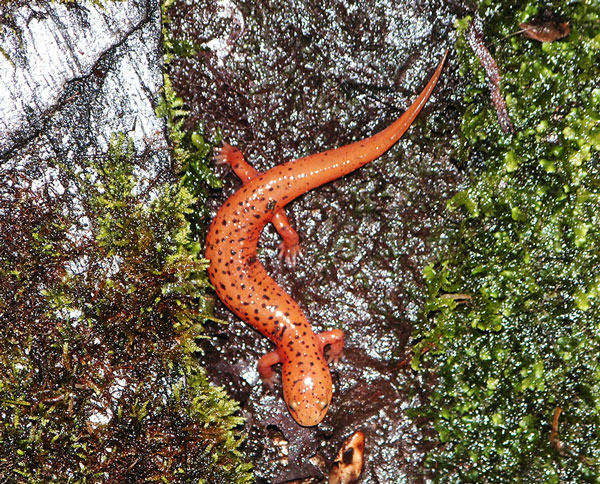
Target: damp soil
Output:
[(281, 80)]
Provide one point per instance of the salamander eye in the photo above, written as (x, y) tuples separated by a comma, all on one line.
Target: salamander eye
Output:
[(294, 406)]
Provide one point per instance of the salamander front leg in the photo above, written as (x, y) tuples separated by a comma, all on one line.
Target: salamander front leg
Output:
[(265, 368), (289, 249), (332, 343)]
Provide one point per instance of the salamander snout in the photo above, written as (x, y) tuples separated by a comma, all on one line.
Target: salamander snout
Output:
[(308, 395)]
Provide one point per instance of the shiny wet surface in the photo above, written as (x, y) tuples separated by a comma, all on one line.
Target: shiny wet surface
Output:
[(284, 82)]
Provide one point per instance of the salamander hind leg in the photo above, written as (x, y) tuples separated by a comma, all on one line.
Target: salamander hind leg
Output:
[(332, 343), (232, 156), (289, 249)]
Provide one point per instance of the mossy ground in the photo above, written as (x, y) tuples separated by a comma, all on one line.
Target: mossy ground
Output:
[(100, 304), (512, 321), (102, 299)]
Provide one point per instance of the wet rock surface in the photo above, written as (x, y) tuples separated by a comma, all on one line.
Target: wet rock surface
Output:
[(283, 80), (72, 75)]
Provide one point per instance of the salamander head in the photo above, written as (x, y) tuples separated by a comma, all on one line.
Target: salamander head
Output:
[(307, 391)]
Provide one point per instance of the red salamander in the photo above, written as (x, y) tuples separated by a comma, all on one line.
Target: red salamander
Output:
[(242, 282)]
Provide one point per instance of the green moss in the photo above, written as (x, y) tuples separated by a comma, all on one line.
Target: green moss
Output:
[(527, 255), (99, 314), (192, 153)]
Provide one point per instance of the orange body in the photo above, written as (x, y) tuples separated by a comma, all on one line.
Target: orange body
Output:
[(243, 284)]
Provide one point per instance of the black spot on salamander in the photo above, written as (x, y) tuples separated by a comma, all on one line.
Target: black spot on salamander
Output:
[(222, 285), (257, 216), (251, 260), (265, 296), (282, 331), (224, 222), (233, 252), (298, 354)]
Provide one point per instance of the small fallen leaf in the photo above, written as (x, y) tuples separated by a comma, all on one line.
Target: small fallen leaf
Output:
[(349, 462), (547, 27)]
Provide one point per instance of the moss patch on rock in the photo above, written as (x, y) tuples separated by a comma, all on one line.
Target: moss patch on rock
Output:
[(512, 320), (99, 311)]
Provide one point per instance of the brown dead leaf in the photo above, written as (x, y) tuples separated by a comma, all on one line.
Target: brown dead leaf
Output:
[(546, 27), (349, 462)]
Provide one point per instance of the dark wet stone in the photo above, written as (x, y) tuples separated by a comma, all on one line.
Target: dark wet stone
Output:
[(287, 79)]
